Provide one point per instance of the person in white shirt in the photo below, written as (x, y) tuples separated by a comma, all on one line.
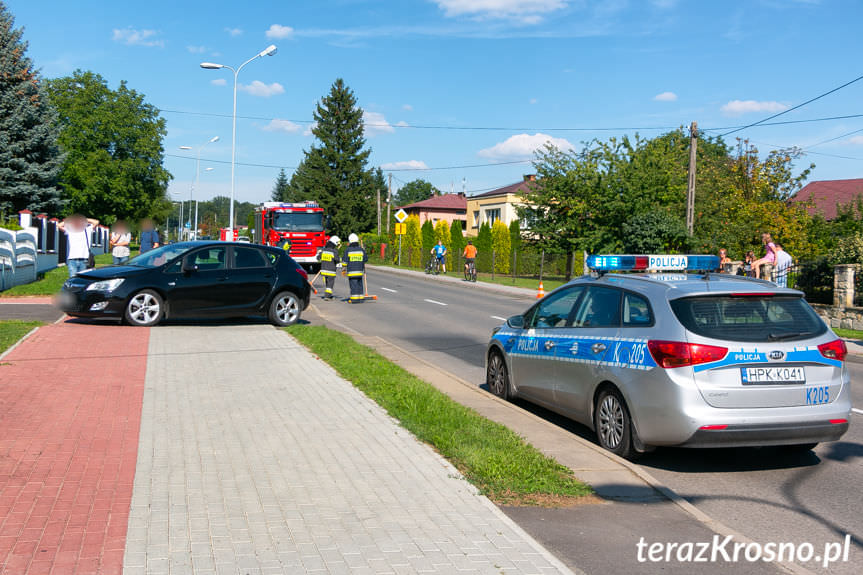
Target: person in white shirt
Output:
[(783, 264), (120, 238), (78, 231)]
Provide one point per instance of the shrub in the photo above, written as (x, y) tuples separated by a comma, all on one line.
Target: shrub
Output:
[(483, 245), (501, 247), (428, 240), (849, 250), (457, 244), (412, 243)]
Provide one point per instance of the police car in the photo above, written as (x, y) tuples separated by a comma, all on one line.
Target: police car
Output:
[(676, 358)]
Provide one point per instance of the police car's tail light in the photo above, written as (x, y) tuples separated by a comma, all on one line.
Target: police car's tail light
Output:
[(713, 427), (834, 350), (669, 354), (838, 421)]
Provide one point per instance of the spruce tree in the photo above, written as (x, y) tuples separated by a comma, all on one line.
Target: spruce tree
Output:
[(30, 157), (334, 170), (282, 188)]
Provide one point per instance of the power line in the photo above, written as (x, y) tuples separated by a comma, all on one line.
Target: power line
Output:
[(834, 139), (797, 107)]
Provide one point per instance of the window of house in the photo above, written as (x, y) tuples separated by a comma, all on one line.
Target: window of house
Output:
[(492, 216), (476, 219)]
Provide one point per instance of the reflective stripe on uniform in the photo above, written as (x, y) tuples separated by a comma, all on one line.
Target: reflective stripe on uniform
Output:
[(355, 274), (328, 273)]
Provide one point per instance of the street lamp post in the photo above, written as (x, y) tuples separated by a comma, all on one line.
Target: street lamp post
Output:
[(194, 186), (269, 51)]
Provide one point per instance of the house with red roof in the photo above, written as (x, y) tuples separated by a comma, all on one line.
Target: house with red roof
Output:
[(448, 207), (826, 196)]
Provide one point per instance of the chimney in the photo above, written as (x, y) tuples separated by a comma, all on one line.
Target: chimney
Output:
[(530, 177)]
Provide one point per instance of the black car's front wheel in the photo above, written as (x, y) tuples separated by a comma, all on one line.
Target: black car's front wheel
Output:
[(145, 309), (285, 309)]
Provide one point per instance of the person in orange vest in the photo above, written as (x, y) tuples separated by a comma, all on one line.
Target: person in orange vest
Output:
[(469, 256)]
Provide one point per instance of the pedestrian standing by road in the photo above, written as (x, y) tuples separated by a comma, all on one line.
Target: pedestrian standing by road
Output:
[(120, 239), (724, 261), (329, 258), (783, 264), (769, 255), (439, 251), (149, 236), (78, 233), (355, 258)]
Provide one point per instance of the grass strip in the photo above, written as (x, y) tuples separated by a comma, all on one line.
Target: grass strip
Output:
[(848, 333), (51, 282), (11, 330), (495, 459)]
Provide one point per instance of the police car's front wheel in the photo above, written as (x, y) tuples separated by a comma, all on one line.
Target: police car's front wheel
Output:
[(612, 423), (497, 377)]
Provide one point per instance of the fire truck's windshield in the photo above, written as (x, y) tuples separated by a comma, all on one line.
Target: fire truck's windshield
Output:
[(298, 222)]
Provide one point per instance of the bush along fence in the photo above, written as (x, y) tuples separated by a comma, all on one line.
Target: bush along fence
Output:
[(37, 247)]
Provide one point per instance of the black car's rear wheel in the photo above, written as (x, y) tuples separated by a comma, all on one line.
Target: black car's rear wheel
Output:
[(285, 309), (145, 309)]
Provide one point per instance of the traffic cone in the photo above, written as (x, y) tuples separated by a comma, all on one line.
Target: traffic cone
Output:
[(540, 293)]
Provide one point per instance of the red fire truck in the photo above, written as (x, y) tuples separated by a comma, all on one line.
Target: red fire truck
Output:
[(303, 224)]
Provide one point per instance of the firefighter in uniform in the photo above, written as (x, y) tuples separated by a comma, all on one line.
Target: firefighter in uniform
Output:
[(355, 258), (329, 258)]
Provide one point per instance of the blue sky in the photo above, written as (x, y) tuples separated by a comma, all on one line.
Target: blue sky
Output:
[(528, 68)]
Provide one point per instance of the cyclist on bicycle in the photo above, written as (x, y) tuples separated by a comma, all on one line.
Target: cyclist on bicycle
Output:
[(439, 252), (469, 255)]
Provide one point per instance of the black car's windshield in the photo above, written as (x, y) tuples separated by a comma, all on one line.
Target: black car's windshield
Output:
[(161, 255), (754, 317), (298, 221)]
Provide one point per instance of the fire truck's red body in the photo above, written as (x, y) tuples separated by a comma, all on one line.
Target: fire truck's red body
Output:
[(301, 223)]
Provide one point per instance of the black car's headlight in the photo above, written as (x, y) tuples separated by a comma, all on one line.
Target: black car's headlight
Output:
[(105, 285)]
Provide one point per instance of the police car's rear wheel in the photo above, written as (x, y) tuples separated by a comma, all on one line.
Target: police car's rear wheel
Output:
[(497, 377), (613, 424)]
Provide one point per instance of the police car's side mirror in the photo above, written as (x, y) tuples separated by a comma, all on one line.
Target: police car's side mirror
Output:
[(516, 321)]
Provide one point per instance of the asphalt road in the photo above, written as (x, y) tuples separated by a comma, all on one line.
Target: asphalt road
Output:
[(765, 494)]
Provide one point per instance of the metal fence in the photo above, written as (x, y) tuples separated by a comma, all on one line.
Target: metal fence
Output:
[(814, 278)]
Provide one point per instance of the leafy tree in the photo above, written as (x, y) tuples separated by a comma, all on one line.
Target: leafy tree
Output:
[(412, 245), (428, 236), (849, 250), (113, 144), (414, 191), (442, 234), (501, 246), (456, 243), (334, 171), (30, 157), (655, 232), (281, 189), (483, 245)]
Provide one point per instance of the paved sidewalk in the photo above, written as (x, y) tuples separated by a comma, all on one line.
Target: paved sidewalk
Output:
[(70, 403), (255, 457)]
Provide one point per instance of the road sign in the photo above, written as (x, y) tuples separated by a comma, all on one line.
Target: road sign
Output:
[(401, 216), (401, 229)]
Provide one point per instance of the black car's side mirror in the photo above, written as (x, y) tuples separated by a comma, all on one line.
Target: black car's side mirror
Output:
[(189, 266), (516, 321)]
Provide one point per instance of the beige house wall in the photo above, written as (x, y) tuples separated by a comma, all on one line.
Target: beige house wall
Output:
[(506, 203)]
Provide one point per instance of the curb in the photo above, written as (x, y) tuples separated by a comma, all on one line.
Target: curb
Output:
[(502, 289), (19, 342), (687, 507)]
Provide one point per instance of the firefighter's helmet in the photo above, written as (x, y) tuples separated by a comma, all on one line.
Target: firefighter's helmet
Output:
[(336, 240), (353, 238)]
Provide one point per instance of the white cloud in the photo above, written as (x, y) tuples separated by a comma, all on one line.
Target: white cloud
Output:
[(740, 107), (406, 165), (533, 101), (234, 31), (277, 31), (665, 97), (526, 11), (856, 140), (408, 108), (196, 49), (309, 128), (523, 146), (219, 82), (375, 123), (277, 125), (258, 88), (402, 124), (132, 37)]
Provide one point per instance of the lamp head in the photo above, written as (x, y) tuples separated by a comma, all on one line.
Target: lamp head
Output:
[(269, 51), (185, 147), (214, 139), (211, 66)]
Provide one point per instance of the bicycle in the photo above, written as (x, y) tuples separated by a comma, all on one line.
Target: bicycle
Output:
[(470, 272), (433, 266)]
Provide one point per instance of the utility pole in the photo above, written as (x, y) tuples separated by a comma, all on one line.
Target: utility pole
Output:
[(389, 201), (690, 191), (379, 209)]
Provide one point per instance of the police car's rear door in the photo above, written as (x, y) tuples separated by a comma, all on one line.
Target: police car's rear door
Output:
[(583, 354), (532, 357)]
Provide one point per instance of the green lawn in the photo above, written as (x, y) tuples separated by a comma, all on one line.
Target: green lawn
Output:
[(492, 457), (11, 330), (52, 281), (848, 333)]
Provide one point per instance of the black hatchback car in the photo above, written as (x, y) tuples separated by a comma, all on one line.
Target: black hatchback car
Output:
[(193, 280)]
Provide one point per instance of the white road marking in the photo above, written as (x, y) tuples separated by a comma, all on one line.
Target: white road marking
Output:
[(498, 317), (389, 290), (857, 411), (435, 302)]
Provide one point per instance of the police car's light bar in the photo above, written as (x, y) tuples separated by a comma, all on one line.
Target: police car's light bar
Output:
[(652, 263)]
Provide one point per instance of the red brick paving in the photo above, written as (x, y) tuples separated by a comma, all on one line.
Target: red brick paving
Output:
[(70, 411), (28, 299)]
